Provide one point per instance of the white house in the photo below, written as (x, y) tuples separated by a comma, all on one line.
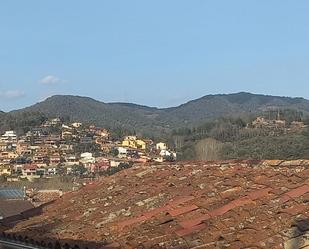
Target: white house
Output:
[(161, 146), (87, 158), (114, 163), (165, 153), (9, 136), (76, 125), (122, 152)]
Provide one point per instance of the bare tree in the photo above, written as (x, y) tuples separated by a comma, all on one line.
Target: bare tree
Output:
[(208, 149)]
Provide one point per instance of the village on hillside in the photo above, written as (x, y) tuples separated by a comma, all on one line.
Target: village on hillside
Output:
[(55, 148)]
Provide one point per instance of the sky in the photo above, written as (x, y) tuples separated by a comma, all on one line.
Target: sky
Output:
[(159, 52)]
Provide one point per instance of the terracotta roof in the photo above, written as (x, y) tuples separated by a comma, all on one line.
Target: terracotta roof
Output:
[(30, 167), (13, 207), (42, 197), (228, 204)]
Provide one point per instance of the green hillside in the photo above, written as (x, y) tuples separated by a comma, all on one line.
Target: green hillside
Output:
[(148, 120)]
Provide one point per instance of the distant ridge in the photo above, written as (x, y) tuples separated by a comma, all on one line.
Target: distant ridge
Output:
[(159, 120)]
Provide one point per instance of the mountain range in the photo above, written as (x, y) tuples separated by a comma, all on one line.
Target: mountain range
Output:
[(159, 120)]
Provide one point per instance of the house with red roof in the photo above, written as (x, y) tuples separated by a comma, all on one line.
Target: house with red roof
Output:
[(29, 171)]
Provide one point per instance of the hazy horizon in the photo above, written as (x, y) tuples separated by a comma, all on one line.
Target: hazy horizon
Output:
[(151, 106)]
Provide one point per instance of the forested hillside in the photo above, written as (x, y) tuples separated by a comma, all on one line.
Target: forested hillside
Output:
[(228, 138), (211, 127), (157, 122), (21, 122)]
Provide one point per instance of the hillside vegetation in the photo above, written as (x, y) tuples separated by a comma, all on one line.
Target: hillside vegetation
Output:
[(157, 122), (21, 122), (228, 138), (208, 128)]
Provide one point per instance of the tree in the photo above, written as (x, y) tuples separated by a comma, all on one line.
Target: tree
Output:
[(114, 152), (79, 170), (208, 149)]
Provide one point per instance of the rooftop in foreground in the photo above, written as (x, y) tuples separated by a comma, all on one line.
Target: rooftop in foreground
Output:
[(228, 204)]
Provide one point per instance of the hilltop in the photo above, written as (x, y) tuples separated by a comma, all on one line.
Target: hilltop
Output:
[(151, 120)]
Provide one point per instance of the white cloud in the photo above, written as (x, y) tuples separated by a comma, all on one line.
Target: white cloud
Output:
[(12, 94), (51, 79)]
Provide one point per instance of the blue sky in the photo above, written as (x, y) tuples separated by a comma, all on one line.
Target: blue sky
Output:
[(158, 53)]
